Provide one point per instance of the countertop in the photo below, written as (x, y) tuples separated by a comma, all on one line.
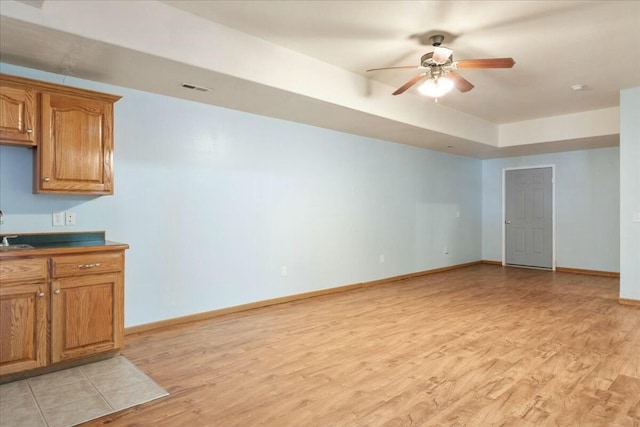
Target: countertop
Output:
[(60, 243)]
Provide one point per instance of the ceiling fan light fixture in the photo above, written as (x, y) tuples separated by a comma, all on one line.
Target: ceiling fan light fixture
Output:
[(436, 88)]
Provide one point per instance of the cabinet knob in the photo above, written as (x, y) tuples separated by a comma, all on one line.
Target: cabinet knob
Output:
[(41, 294), (29, 130), (57, 291), (47, 179)]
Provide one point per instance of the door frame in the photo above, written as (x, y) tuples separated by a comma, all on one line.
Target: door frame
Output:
[(553, 211)]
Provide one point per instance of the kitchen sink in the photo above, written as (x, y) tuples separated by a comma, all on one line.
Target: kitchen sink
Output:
[(15, 247)]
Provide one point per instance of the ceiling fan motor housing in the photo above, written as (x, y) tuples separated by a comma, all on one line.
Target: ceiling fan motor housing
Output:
[(436, 40)]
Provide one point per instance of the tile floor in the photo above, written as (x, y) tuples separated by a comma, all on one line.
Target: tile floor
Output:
[(76, 395)]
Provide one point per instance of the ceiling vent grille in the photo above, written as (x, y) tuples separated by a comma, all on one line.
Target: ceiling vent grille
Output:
[(195, 87)]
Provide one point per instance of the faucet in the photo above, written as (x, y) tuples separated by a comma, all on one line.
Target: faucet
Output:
[(5, 241)]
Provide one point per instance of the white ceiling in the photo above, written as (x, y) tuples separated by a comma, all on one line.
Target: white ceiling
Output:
[(555, 44), (306, 60)]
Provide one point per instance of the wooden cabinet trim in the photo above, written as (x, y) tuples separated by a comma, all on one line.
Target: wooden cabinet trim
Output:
[(56, 88)]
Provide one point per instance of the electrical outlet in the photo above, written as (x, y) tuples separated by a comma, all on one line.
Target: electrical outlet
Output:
[(57, 219), (381, 258), (446, 251), (69, 218), (283, 271)]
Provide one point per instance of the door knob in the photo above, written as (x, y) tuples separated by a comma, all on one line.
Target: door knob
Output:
[(507, 222)]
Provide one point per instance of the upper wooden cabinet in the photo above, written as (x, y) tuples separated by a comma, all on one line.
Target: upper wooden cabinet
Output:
[(17, 114), (76, 148), (72, 130)]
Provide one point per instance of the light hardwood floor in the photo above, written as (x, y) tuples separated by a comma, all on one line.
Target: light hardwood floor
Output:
[(478, 346)]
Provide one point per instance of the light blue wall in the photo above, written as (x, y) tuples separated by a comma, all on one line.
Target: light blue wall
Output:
[(587, 207), (214, 202), (629, 193)]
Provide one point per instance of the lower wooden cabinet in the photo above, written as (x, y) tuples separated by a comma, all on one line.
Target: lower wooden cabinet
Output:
[(24, 298), (86, 315), (23, 326), (60, 308)]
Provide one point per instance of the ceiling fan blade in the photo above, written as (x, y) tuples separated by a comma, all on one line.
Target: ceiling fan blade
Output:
[(462, 84), (410, 83), (485, 63), (394, 68), (441, 54)]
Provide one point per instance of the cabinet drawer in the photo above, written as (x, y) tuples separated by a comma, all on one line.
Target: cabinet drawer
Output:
[(75, 265), (23, 270)]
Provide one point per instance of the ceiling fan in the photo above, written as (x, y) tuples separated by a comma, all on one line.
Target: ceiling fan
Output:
[(440, 70)]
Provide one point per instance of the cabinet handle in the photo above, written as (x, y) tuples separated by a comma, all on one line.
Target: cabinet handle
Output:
[(29, 130), (41, 294), (57, 291), (95, 264), (46, 179)]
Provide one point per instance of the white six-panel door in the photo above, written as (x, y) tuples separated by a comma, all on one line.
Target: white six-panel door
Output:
[(528, 227)]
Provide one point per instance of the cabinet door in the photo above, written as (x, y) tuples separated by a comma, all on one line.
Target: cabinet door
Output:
[(17, 115), (23, 327), (87, 315), (76, 148)]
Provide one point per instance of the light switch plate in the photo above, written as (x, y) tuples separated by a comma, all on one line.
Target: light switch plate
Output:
[(636, 217), (57, 219)]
